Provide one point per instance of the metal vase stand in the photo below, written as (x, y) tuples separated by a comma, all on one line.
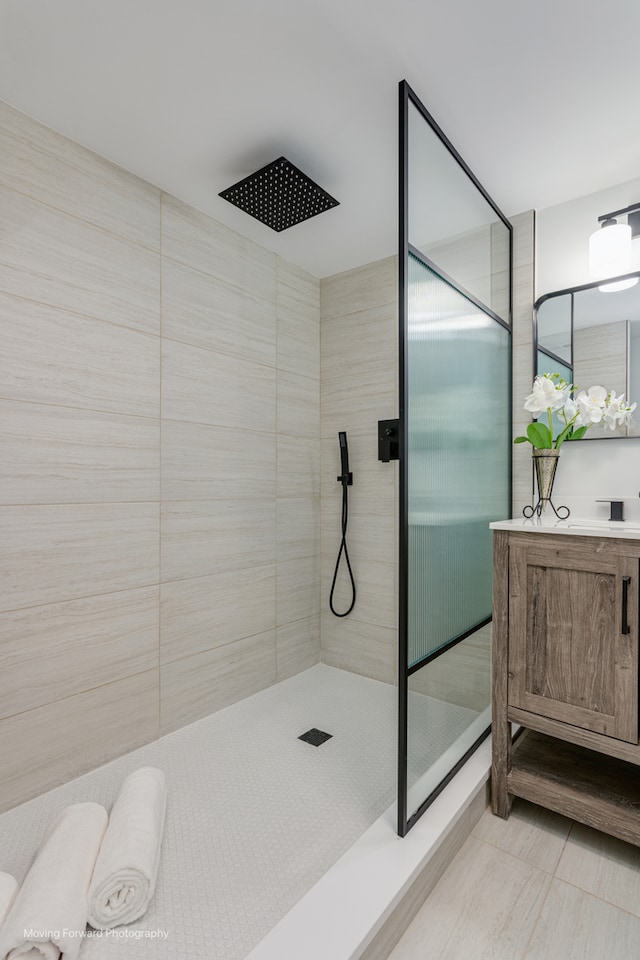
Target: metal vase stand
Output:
[(546, 462)]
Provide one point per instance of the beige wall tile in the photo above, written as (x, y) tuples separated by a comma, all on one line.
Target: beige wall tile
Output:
[(376, 587), (371, 532), (296, 289), (49, 167), (522, 469), (600, 356), (298, 405), (202, 462), (462, 675), (298, 527), (205, 387), (193, 687), (58, 650), (356, 404), (359, 359), (362, 648), (500, 294), (48, 256), (351, 343), (297, 647), (523, 297), (298, 467), (87, 457), (207, 312), (523, 292), (372, 479), (298, 589), (50, 356), (202, 537), (359, 289), (65, 551), (298, 306), (207, 612), (468, 258), (299, 341), (47, 746), (523, 237), (500, 270), (61, 455), (199, 241)]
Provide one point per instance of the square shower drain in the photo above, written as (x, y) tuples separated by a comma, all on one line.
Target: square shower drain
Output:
[(315, 737)]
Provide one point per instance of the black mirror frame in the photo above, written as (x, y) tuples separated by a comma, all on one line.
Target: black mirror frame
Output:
[(571, 291)]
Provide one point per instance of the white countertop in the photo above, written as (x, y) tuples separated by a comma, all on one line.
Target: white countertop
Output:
[(574, 526)]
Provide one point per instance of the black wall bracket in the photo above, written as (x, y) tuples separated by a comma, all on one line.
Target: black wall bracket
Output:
[(388, 440)]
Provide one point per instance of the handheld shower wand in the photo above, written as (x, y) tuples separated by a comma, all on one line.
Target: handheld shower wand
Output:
[(346, 479)]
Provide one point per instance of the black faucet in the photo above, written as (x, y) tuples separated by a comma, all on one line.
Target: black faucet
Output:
[(617, 508)]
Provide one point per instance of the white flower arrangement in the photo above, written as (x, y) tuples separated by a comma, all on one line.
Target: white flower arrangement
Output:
[(551, 394)]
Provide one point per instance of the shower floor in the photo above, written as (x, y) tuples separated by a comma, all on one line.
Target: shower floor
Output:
[(255, 816)]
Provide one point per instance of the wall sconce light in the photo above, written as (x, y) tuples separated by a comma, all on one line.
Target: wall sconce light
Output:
[(610, 248)]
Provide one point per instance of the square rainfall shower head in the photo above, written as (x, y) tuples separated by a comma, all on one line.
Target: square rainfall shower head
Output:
[(279, 195)]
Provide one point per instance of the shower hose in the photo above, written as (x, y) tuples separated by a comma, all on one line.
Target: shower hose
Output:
[(343, 550)]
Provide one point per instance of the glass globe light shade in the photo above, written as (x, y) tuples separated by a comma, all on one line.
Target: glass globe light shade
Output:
[(618, 285), (610, 251)]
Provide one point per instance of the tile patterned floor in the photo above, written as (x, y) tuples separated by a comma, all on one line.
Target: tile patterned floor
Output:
[(255, 816), (534, 887)]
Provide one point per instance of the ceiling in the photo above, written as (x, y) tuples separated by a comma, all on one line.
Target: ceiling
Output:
[(541, 99)]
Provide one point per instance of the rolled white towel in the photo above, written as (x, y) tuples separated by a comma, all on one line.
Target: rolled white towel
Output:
[(49, 914), (8, 887), (125, 875)]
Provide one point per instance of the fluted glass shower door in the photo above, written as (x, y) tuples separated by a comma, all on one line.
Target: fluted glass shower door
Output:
[(458, 415), (455, 464)]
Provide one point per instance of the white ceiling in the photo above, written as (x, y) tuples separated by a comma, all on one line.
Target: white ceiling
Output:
[(541, 99)]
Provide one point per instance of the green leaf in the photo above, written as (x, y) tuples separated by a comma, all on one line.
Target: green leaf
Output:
[(560, 439), (579, 433), (539, 435), (521, 440)]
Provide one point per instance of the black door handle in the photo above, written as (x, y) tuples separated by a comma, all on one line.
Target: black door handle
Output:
[(625, 603)]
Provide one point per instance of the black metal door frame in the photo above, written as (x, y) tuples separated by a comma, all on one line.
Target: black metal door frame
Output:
[(407, 819)]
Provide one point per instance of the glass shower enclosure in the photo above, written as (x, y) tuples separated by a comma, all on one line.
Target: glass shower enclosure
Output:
[(455, 463)]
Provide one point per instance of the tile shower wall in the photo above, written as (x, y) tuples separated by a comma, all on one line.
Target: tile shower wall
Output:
[(359, 387), (522, 357), (159, 500)]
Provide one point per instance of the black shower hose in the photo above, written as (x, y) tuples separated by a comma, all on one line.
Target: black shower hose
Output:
[(343, 549)]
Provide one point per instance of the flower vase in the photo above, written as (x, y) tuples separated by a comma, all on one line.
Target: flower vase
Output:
[(546, 464)]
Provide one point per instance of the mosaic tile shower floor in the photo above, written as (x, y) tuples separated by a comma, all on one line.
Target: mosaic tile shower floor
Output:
[(255, 815)]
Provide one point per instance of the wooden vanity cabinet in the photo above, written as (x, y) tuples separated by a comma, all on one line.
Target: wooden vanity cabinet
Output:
[(566, 668)]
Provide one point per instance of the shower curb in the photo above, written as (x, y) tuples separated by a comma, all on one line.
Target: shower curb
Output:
[(363, 904)]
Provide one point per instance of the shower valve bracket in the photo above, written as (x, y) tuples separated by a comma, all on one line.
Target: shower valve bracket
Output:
[(388, 440)]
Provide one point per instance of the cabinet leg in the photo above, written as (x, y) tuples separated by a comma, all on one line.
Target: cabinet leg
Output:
[(501, 799), (500, 726)]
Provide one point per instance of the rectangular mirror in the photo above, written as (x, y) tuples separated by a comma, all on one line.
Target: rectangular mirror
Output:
[(590, 336)]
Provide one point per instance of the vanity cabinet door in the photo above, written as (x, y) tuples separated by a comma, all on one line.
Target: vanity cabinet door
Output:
[(573, 636)]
